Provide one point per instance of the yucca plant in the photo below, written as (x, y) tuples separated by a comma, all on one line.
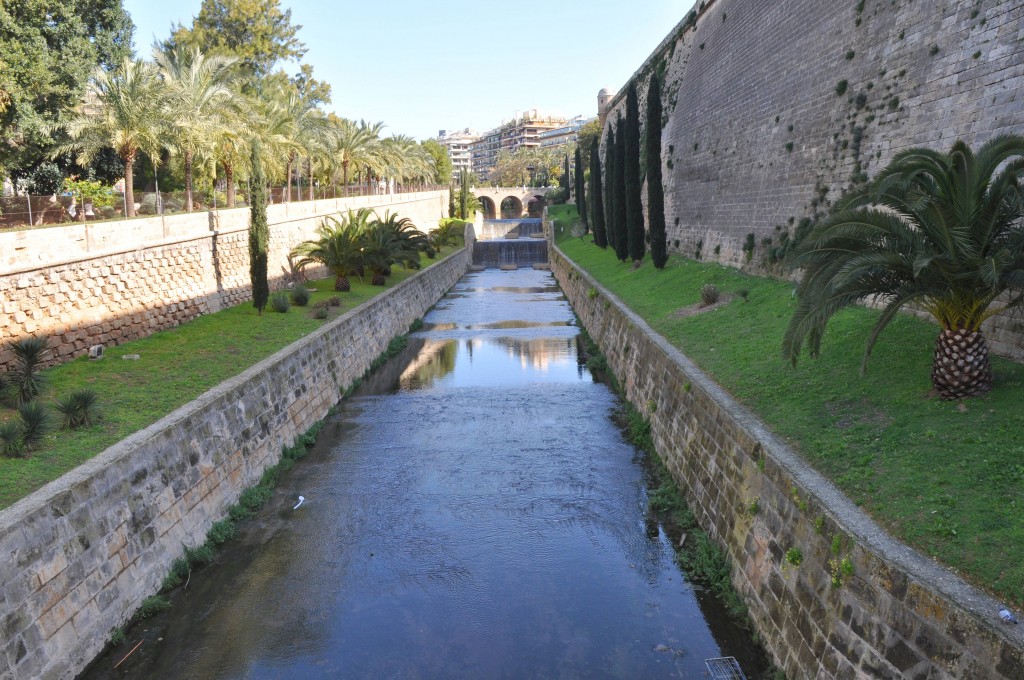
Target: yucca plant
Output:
[(25, 377), (941, 231), (36, 422), (81, 407), (11, 443)]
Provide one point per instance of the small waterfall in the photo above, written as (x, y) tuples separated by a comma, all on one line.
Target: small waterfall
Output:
[(521, 252), (525, 227)]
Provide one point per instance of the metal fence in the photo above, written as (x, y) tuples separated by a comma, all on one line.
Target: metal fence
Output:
[(23, 211)]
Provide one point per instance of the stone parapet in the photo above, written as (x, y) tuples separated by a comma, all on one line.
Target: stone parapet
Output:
[(80, 554), (856, 603)]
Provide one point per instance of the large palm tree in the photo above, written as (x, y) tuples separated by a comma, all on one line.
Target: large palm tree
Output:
[(355, 145), (941, 231), (198, 86), (123, 110)]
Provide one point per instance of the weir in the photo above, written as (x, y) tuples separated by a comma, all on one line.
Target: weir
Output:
[(473, 511), (510, 242)]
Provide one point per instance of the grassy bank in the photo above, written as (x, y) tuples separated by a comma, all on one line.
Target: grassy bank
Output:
[(174, 367), (945, 477)]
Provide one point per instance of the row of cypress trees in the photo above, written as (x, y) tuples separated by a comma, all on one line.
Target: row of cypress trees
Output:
[(617, 210)]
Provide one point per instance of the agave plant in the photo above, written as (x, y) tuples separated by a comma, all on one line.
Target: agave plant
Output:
[(339, 247), (11, 443), (939, 230), (25, 377)]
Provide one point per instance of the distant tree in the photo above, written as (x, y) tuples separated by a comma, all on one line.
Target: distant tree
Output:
[(259, 232), (596, 198), (255, 31), (451, 198), (609, 187), (581, 201), (634, 206), (564, 181), (463, 195), (442, 162), (621, 205), (48, 51), (587, 134), (655, 190)]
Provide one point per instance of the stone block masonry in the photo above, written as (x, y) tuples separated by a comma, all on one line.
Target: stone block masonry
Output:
[(111, 282), (79, 555), (858, 604), (757, 135)]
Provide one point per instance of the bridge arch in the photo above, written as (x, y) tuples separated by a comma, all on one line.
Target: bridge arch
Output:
[(488, 208), (535, 205), (511, 207)]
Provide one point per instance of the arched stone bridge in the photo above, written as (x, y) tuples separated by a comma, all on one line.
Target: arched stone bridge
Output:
[(509, 202)]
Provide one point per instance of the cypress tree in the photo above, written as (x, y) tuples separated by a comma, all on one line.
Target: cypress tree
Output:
[(451, 198), (581, 194), (634, 207), (596, 199), (655, 190), (609, 187), (259, 233), (564, 182), (621, 206), (463, 195)]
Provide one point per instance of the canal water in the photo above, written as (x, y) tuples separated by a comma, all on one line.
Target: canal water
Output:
[(473, 512)]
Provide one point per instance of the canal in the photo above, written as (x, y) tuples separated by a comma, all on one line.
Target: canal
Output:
[(472, 512)]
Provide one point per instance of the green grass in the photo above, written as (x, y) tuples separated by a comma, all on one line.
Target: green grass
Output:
[(175, 367), (563, 216), (944, 477)]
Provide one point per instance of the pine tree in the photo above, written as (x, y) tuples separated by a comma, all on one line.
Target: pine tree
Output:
[(581, 195), (634, 207), (609, 188), (621, 206), (596, 199), (259, 233), (655, 190)]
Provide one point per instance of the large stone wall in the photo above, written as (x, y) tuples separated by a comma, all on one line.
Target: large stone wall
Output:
[(756, 138), (897, 615), (111, 282), (80, 554)]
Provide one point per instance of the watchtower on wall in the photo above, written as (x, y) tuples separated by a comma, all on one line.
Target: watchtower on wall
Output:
[(604, 98)]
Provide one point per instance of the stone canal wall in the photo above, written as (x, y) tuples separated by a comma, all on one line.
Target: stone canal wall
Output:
[(81, 554), (773, 108), (859, 604), (110, 282)]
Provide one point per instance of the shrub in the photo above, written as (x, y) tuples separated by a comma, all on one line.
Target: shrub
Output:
[(300, 296), (841, 87), (25, 377), (35, 422), (254, 498), (335, 301), (794, 556), (280, 302), (222, 532), (200, 555), (743, 293), (78, 408), (321, 313), (11, 444), (709, 294), (152, 605), (47, 179), (148, 205)]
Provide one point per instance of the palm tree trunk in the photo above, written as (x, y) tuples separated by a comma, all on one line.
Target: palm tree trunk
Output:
[(288, 179), (129, 193), (344, 176), (961, 367), (188, 181), (229, 177), (312, 196)]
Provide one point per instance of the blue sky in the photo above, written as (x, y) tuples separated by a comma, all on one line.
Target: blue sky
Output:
[(447, 64)]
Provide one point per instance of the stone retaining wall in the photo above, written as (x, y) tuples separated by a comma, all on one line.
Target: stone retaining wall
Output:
[(897, 615), (81, 554), (111, 282)]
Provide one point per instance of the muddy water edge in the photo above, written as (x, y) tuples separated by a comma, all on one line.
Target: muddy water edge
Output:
[(473, 511)]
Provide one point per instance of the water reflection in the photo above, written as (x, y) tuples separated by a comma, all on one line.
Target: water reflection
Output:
[(472, 513)]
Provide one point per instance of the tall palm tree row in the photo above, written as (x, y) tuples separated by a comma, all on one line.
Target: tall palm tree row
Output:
[(941, 231), (195, 108)]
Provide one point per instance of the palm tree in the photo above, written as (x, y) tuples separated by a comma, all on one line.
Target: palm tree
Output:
[(339, 248), (355, 144), (198, 86), (940, 231), (407, 242), (123, 110)]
